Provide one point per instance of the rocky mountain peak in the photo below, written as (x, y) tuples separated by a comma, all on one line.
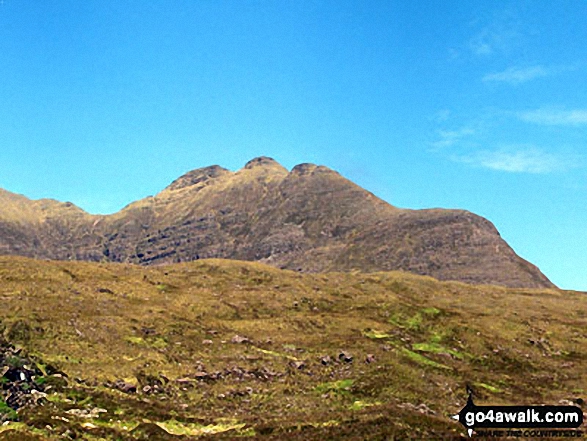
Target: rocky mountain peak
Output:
[(303, 169), (261, 161), (196, 176)]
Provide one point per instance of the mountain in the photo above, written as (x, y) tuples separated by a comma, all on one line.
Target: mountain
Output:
[(309, 219)]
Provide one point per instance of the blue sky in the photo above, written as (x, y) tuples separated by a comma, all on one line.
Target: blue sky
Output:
[(473, 105)]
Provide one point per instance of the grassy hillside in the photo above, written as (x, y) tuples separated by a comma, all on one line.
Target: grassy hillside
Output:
[(223, 349)]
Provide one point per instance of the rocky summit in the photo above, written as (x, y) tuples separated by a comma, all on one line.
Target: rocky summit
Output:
[(309, 219)]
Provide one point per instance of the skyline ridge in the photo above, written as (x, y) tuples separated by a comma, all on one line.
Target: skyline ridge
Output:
[(309, 219)]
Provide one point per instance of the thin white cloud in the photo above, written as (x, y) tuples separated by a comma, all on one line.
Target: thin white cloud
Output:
[(519, 159), (555, 117), (480, 44), (502, 33), (441, 116), (480, 47), (501, 30), (516, 75), (448, 138)]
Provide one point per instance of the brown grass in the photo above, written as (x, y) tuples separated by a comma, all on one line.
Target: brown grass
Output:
[(103, 322)]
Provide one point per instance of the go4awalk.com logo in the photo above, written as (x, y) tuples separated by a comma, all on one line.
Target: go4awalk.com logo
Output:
[(530, 421)]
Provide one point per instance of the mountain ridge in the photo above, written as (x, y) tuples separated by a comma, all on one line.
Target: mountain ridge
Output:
[(309, 219)]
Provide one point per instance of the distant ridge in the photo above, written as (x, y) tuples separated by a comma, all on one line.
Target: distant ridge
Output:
[(308, 219)]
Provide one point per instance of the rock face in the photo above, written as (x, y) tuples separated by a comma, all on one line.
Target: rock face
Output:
[(308, 219)]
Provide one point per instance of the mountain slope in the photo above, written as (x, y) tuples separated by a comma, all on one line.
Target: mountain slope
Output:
[(243, 348), (310, 219)]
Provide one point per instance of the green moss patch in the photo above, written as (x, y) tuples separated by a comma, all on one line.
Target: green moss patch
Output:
[(436, 348), (339, 387), (376, 335), (420, 359)]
